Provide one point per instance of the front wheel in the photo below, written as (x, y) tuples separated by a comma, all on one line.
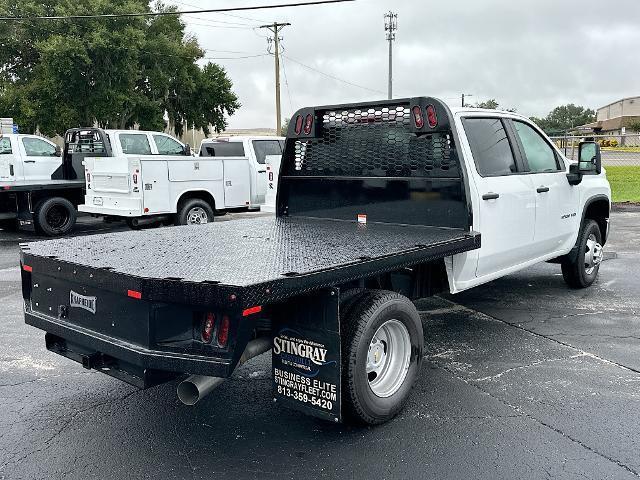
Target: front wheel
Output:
[(582, 272), (382, 353), (194, 212)]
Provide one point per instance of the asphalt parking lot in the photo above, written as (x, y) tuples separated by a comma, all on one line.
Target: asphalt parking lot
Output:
[(522, 378)]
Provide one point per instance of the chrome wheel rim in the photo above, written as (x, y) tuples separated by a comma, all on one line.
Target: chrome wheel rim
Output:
[(388, 358), (197, 216), (592, 255)]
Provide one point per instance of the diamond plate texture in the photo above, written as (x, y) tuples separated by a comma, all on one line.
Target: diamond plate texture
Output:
[(244, 252)]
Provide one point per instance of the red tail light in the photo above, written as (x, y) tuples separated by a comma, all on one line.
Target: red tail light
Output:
[(223, 332), (207, 327), (308, 124), (134, 294), (88, 177), (135, 178), (27, 268), (299, 122), (417, 116), (251, 311), (432, 117)]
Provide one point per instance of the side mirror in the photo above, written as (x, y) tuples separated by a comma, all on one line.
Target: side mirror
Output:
[(589, 158), (186, 151), (58, 151)]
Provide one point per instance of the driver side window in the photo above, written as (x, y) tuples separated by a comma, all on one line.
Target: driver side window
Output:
[(167, 145), (540, 156), (34, 147)]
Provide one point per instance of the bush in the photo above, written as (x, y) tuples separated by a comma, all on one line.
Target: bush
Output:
[(613, 143)]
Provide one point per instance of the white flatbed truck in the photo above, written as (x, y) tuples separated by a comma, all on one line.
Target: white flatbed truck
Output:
[(378, 203)]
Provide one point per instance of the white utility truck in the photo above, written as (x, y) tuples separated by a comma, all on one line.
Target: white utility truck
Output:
[(378, 204), (39, 188), (150, 178)]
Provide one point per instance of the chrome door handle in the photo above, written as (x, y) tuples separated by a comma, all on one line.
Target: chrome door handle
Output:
[(490, 196), (542, 189)]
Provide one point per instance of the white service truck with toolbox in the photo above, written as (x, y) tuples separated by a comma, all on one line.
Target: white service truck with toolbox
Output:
[(378, 204), (150, 178)]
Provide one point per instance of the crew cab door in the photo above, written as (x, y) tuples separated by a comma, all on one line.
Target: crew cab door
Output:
[(39, 158), (504, 194), (261, 149), (557, 219)]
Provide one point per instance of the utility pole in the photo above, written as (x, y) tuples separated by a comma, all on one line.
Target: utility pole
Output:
[(463, 96), (275, 29), (390, 26)]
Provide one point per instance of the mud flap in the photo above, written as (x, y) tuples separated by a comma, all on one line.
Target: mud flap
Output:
[(307, 355)]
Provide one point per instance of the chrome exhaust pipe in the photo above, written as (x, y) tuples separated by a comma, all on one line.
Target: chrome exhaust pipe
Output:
[(196, 387)]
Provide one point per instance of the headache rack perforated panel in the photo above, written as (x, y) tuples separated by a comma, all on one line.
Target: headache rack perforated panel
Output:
[(374, 142)]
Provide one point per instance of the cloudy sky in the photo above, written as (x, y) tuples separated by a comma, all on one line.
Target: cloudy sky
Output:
[(528, 54)]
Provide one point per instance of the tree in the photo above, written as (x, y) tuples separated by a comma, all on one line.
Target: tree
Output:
[(116, 72), (634, 126), (285, 125), (565, 117), (492, 104)]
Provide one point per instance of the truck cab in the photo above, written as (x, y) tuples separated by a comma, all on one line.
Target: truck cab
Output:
[(245, 157), (27, 158), (524, 199)]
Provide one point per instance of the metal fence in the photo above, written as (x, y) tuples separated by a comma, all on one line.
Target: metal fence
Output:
[(617, 150)]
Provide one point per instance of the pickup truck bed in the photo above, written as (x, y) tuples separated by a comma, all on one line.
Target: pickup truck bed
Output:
[(260, 260)]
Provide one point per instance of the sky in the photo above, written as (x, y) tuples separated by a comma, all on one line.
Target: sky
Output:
[(531, 55)]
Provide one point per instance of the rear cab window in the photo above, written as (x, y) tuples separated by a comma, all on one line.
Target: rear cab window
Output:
[(262, 148), (490, 146), (222, 149), (135, 144)]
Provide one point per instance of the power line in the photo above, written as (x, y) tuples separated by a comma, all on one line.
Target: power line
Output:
[(226, 14), (184, 12), (332, 76), (286, 82)]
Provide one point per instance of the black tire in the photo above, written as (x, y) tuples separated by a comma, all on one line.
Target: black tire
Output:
[(576, 274), (188, 206), (360, 321), (130, 223), (55, 216), (133, 226), (10, 225)]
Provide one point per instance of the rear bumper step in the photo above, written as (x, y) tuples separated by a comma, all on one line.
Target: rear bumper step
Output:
[(131, 363)]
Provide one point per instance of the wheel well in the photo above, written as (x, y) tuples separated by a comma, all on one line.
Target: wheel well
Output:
[(598, 210), (74, 196), (419, 281), (200, 195)]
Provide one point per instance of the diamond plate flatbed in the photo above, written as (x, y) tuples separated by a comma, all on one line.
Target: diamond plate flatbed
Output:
[(254, 261), (41, 185)]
